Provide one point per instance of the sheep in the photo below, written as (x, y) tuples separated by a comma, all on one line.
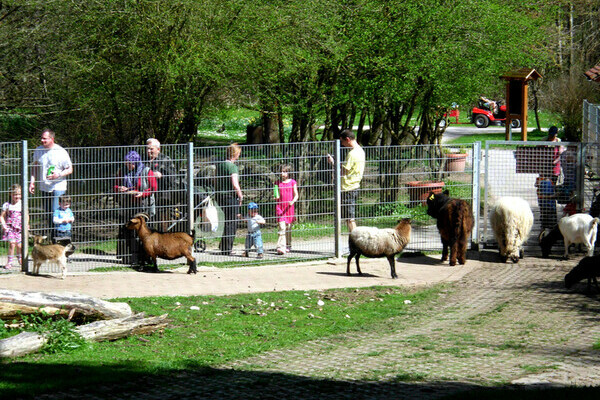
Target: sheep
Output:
[(50, 254), (576, 228), (376, 243), (511, 219), (454, 222), (588, 267), (168, 245)]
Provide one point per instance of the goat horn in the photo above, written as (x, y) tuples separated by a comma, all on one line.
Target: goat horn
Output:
[(143, 215)]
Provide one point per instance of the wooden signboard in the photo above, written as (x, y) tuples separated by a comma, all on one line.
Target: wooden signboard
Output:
[(516, 98)]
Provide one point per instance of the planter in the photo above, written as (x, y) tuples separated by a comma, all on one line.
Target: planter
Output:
[(455, 162), (419, 190)]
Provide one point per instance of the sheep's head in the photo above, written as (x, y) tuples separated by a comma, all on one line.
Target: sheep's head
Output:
[(436, 201), (137, 221), (547, 239)]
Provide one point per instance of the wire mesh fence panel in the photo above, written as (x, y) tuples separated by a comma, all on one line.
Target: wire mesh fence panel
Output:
[(591, 197), (308, 230), (545, 174), (108, 186), (591, 122), (10, 176), (398, 179)]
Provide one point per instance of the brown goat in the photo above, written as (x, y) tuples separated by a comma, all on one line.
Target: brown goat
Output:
[(49, 254), (167, 246)]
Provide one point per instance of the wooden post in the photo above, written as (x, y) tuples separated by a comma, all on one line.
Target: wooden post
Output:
[(508, 132), (525, 86)]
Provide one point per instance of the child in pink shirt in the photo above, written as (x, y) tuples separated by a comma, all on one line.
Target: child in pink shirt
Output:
[(286, 195)]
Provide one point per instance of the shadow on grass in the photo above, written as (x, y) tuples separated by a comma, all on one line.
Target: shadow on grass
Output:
[(128, 381)]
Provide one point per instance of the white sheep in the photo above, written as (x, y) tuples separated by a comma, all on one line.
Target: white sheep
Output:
[(375, 242), (511, 219), (576, 228)]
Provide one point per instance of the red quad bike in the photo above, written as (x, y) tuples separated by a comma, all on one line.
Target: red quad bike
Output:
[(482, 116)]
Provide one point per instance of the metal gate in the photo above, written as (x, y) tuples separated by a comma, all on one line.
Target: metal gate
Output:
[(520, 169)]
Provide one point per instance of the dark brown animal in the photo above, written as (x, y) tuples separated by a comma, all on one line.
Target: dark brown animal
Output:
[(168, 246), (454, 222), (588, 268)]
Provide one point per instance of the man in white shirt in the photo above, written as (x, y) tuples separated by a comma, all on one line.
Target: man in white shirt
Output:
[(51, 166)]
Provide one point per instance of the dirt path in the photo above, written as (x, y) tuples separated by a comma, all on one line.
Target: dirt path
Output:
[(224, 281), (498, 324)]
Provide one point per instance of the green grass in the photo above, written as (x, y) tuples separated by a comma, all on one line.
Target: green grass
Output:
[(226, 126), (483, 137), (223, 329)]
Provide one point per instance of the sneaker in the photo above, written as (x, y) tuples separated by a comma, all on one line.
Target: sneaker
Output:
[(259, 256), (7, 266), (280, 251), (288, 249), (246, 254)]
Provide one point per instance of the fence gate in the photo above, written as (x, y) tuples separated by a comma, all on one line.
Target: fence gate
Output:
[(526, 170)]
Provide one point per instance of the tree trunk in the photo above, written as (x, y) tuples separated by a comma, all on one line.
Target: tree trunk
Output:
[(12, 301), (29, 342), (302, 128), (270, 128)]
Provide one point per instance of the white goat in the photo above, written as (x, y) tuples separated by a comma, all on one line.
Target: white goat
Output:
[(577, 228), (49, 254), (376, 243), (511, 219)]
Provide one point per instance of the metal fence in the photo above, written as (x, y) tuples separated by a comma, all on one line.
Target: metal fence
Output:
[(591, 122), (526, 170), (395, 184)]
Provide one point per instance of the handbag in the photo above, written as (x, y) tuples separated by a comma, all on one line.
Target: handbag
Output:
[(210, 217), (561, 178)]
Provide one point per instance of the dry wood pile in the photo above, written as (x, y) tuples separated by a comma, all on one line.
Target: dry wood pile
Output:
[(111, 320)]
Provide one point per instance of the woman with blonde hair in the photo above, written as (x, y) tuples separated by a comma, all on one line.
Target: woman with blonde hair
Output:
[(229, 196)]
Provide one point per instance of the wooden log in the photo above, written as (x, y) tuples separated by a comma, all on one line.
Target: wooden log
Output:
[(113, 329), (90, 307), (29, 342)]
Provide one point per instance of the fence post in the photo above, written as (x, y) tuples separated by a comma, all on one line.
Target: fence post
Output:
[(190, 185), (585, 121), (337, 184), (582, 151), (24, 207), (475, 200)]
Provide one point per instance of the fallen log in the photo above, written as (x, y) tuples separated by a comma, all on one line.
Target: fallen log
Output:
[(29, 342), (13, 302)]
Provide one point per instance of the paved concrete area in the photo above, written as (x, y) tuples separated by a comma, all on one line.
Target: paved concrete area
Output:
[(222, 281)]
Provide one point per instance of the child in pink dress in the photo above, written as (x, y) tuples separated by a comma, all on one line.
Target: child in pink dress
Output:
[(10, 218), (286, 195)]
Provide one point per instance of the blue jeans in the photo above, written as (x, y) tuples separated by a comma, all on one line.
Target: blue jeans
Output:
[(50, 204), (254, 239)]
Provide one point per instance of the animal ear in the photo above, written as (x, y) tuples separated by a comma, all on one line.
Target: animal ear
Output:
[(447, 192)]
